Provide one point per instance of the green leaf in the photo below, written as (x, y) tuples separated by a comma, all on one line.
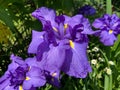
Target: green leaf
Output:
[(106, 82), (67, 6), (6, 18), (116, 45)]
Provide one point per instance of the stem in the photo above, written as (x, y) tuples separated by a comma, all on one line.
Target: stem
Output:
[(108, 78), (105, 57), (109, 6), (110, 82), (106, 82)]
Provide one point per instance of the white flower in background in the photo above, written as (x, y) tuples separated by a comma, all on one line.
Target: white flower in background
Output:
[(99, 75), (108, 71), (95, 49), (111, 63), (94, 61), (101, 59), (88, 51)]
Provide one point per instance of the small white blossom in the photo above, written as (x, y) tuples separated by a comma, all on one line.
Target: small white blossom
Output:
[(100, 59), (108, 71), (94, 61), (88, 51), (99, 75), (111, 63), (95, 49)]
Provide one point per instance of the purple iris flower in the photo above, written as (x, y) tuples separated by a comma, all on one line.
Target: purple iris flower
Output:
[(87, 10), (62, 45), (109, 28), (22, 75)]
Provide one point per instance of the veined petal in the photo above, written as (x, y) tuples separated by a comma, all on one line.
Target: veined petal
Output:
[(55, 58), (3, 78), (10, 88), (37, 39), (77, 64), (4, 83)]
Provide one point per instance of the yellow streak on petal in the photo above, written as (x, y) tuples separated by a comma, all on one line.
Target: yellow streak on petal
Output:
[(110, 31), (65, 26), (20, 87), (54, 74), (27, 78), (71, 44), (55, 29)]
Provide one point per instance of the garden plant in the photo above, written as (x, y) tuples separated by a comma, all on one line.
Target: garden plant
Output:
[(59, 45)]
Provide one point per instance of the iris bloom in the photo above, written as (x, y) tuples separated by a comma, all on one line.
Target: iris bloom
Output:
[(22, 75), (109, 28), (62, 44), (87, 10)]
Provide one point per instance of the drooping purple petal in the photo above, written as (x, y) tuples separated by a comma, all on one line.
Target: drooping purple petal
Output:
[(77, 64), (37, 39), (107, 39), (10, 88), (55, 58), (4, 83)]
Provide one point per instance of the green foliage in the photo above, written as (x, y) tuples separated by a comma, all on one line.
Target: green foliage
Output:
[(105, 61)]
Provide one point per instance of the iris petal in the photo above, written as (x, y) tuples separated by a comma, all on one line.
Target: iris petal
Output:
[(77, 64), (55, 58), (4, 83), (79, 19), (36, 76), (98, 23), (37, 38), (44, 14), (107, 39)]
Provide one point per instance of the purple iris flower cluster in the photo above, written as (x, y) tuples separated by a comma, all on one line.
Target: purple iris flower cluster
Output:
[(60, 48), (109, 28), (87, 10), (22, 75)]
